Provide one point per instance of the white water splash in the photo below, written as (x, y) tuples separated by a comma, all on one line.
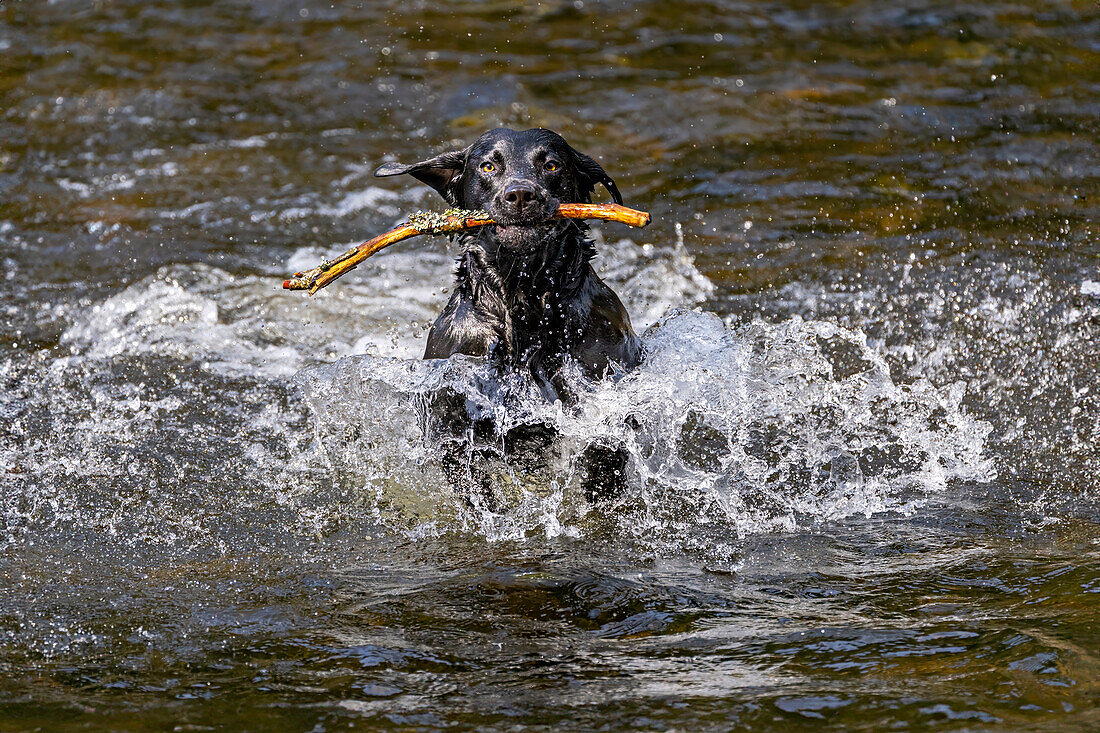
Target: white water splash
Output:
[(186, 373), (755, 429), (725, 431)]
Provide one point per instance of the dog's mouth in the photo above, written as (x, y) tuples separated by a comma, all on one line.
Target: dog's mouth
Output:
[(523, 234), (520, 225), (533, 216), (510, 229)]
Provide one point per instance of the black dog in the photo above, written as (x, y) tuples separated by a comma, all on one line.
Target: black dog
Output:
[(525, 292)]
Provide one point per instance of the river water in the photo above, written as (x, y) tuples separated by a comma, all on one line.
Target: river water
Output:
[(861, 485)]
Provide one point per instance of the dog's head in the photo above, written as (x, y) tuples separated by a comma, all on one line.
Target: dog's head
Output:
[(518, 177)]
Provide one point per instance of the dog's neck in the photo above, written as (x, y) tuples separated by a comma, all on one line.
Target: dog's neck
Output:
[(528, 289), (544, 271)]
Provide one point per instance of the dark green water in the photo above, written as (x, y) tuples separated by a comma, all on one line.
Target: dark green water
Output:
[(865, 498)]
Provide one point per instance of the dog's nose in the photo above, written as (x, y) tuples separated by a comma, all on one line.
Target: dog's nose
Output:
[(519, 194)]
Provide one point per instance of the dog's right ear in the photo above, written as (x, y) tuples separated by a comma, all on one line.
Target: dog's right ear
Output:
[(443, 173)]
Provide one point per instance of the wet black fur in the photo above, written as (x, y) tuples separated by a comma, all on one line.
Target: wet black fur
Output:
[(525, 292)]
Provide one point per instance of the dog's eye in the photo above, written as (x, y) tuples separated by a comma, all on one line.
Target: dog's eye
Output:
[(551, 165), (488, 167)]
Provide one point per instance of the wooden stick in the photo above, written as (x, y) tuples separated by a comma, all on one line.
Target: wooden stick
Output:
[(452, 220)]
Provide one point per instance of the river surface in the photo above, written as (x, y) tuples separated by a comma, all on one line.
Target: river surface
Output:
[(861, 486)]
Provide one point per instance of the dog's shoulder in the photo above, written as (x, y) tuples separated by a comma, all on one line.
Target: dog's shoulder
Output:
[(606, 335), (464, 327)]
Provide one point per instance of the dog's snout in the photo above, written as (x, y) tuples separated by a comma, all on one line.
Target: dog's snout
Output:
[(520, 194)]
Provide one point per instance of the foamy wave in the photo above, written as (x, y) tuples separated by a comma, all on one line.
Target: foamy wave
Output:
[(726, 431), (760, 428)]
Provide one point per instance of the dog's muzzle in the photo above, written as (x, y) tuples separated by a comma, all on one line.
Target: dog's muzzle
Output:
[(522, 202)]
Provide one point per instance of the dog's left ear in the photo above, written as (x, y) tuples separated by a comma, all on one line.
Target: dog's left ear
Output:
[(589, 173), (443, 173)]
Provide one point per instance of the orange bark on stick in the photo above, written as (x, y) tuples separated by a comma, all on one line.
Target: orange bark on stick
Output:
[(454, 220)]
